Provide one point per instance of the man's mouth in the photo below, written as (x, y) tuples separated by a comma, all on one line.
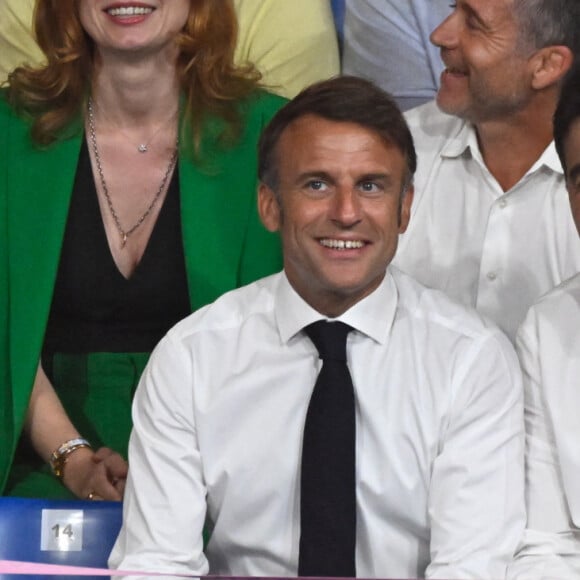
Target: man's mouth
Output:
[(336, 244), (455, 71)]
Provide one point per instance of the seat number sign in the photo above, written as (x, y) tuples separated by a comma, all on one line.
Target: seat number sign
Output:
[(61, 530)]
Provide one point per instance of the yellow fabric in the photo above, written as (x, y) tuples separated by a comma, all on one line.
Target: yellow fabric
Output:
[(17, 46), (292, 42)]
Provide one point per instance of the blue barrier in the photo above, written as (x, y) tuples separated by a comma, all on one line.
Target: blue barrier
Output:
[(66, 532)]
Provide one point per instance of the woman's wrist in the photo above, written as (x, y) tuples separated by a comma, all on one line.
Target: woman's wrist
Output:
[(62, 454)]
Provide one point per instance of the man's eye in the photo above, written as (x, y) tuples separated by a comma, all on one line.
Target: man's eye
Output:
[(316, 185), (369, 187), (472, 24)]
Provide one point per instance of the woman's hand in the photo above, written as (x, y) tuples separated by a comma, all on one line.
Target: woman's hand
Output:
[(99, 475)]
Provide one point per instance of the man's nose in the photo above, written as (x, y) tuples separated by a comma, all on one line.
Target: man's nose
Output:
[(346, 206), (445, 35)]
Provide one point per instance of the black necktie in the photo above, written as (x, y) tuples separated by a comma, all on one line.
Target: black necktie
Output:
[(328, 496)]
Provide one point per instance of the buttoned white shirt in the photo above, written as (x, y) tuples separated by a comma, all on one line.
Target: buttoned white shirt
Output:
[(549, 347), (218, 421), (496, 251)]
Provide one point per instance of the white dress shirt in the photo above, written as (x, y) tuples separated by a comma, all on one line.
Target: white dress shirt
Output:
[(218, 421), (494, 250), (387, 42), (549, 347)]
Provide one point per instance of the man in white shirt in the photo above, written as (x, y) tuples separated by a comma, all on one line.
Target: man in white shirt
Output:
[(549, 347), (220, 411), (491, 224)]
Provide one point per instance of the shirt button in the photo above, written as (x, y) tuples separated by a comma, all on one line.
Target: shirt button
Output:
[(502, 203), (491, 276)]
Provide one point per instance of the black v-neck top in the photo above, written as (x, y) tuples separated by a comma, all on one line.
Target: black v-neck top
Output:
[(95, 308)]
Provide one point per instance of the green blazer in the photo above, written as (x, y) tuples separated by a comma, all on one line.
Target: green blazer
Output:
[(225, 245)]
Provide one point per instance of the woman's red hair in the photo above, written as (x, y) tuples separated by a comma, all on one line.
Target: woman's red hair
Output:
[(211, 84)]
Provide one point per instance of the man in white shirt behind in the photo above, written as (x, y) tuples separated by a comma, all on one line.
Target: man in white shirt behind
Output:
[(549, 347), (490, 222), (220, 411)]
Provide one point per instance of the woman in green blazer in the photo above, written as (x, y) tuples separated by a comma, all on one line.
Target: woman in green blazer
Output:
[(139, 110)]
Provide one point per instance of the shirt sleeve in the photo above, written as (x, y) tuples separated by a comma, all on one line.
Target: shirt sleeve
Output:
[(293, 43), (164, 505), (551, 546), (476, 497)]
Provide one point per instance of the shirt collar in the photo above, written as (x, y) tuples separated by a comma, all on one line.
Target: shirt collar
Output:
[(373, 315), (466, 139), (550, 159)]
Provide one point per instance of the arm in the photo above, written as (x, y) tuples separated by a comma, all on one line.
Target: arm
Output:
[(551, 546), (292, 43), (102, 473), (476, 497), (164, 505)]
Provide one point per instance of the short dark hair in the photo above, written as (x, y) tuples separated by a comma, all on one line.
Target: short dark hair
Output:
[(549, 23), (567, 111), (344, 99)]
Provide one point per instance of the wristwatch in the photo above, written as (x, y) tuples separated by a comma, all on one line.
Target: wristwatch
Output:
[(60, 456)]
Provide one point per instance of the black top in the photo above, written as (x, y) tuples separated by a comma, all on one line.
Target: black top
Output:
[(95, 308)]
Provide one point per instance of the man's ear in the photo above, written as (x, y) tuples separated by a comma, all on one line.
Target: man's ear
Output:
[(549, 65), (405, 210), (269, 208)]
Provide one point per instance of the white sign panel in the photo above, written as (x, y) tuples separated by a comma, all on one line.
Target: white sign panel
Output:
[(61, 530)]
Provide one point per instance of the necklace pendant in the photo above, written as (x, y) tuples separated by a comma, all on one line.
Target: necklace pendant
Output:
[(124, 242), (142, 148)]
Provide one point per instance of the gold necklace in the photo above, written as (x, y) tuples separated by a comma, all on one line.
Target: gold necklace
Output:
[(122, 232)]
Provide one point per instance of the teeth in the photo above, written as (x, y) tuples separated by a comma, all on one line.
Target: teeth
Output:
[(342, 244), (129, 11)]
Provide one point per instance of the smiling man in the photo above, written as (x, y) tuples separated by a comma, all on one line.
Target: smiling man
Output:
[(395, 452), (491, 224)]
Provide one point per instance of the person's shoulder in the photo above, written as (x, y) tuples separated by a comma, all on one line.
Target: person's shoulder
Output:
[(561, 304), (431, 309), (13, 124), (569, 287), (5, 108), (548, 336), (230, 311), (262, 104), (7, 111), (262, 98)]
